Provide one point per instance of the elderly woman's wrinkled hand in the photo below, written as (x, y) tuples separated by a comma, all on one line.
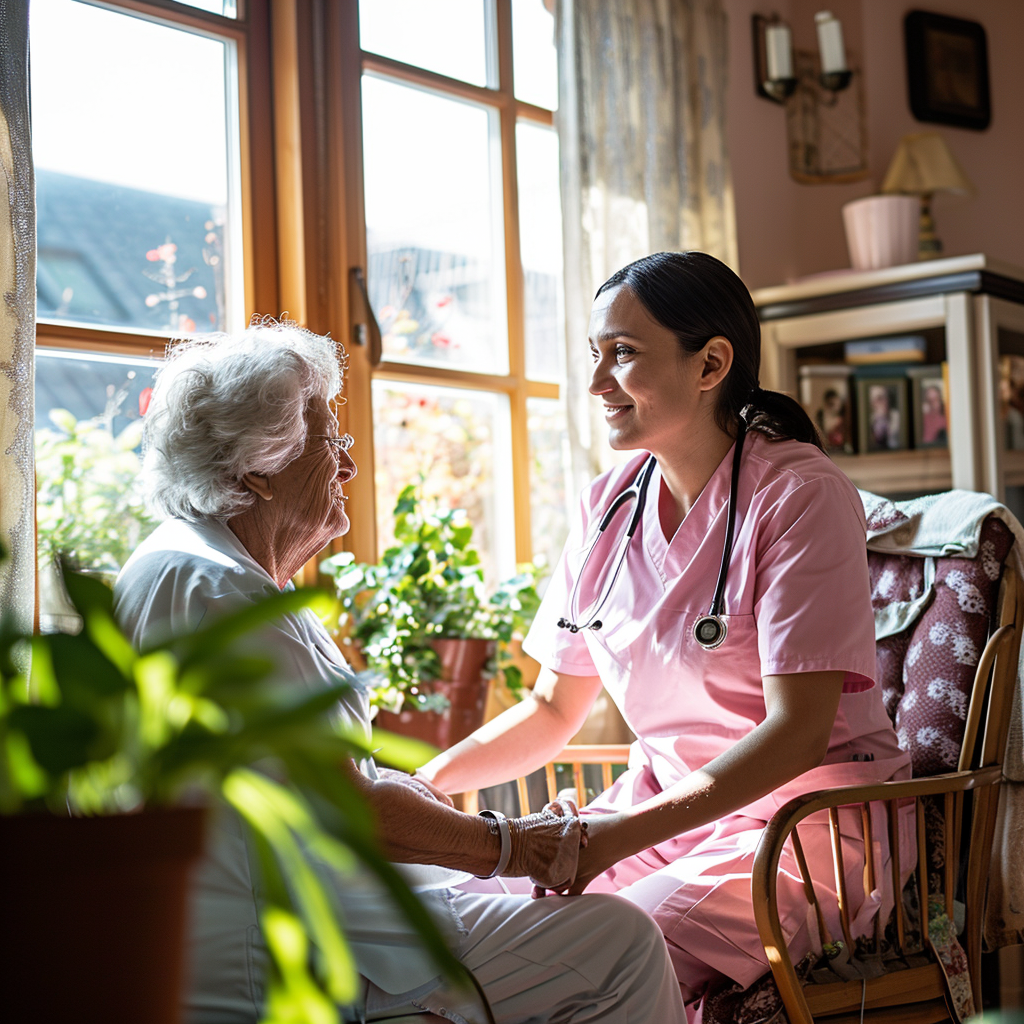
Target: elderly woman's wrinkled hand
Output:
[(418, 783), (546, 846)]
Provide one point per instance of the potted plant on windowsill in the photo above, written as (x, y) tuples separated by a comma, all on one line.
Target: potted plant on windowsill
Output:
[(426, 627), (108, 757)]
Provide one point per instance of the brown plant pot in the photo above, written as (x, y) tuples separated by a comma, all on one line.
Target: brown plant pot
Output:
[(92, 915), (462, 682)]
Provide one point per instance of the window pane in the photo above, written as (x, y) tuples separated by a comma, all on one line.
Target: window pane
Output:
[(88, 425), (136, 168), (453, 440), (433, 228), (540, 239), (450, 37), (549, 474), (229, 8), (534, 61)]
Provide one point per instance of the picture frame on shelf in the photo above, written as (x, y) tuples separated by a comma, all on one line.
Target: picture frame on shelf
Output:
[(947, 70), (826, 397), (882, 407), (1011, 401), (929, 402)]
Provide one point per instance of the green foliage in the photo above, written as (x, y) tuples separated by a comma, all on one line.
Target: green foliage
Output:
[(89, 509), (99, 728), (429, 585)]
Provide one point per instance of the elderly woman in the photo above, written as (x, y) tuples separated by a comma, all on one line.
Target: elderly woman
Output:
[(244, 459)]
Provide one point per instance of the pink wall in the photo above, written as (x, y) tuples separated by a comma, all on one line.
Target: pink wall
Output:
[(787, 230)]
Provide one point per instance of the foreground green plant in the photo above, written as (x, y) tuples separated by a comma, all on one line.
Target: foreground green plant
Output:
[(99, 728), (428, 586)]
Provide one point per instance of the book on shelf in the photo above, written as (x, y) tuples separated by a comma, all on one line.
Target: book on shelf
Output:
[(908, 348)]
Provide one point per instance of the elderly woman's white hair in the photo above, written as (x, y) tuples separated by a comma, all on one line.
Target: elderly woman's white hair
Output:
[(225, 405)]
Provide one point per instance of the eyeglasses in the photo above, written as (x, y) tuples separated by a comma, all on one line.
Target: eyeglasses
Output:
[(338, 444)]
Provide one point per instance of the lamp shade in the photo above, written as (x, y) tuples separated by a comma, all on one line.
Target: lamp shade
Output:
[(924, 164)]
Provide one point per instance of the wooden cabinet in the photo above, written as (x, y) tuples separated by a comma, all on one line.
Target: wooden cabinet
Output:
[(971, 308)]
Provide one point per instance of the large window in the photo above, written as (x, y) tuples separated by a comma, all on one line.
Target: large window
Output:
[(463, 264), (200, 162), (142, 233)]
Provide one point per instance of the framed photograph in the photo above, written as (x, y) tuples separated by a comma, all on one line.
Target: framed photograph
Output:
[(882, 414), (947, 70), (825, 396), (1011, 400), (929, 404)]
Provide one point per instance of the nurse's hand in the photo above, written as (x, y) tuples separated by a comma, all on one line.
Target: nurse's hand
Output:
[(606, 843), (545, 846)]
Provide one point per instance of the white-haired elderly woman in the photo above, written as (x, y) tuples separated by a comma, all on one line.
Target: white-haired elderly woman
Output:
[(244, 459)]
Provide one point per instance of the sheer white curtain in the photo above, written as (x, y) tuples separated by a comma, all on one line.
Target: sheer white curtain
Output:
[(17, 320), (644, 168)]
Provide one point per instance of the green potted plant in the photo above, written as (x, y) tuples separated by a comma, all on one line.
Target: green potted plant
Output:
[(90, 511), (107, 758), (426, 626)]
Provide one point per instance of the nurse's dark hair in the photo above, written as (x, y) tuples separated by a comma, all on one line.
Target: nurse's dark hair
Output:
[(698, 297)]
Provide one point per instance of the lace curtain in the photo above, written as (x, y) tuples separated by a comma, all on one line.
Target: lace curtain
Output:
[(17, 320), (644, 168)]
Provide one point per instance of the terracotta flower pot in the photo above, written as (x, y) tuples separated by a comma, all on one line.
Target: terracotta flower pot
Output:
[(462, 663), (93, 915)]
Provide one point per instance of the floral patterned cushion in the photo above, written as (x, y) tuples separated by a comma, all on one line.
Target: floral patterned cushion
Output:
[(926, 672)]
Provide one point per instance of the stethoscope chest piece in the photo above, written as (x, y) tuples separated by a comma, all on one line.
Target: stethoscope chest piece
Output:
[(710, 631)]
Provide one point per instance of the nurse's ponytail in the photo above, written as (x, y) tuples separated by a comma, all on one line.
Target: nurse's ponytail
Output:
[(698, 298)]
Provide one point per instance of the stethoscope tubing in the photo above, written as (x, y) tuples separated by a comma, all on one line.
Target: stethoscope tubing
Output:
[(637, 489), (710, 630)]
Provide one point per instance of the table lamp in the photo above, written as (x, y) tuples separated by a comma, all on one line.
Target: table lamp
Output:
[(922, 166)]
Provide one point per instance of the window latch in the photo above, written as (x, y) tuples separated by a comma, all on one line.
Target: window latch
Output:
[(365, 329)]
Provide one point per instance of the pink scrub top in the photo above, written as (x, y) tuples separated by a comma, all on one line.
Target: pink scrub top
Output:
[(796, 599)]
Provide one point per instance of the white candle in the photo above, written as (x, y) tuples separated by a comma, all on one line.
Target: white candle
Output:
[(830, 42), (780, 52)]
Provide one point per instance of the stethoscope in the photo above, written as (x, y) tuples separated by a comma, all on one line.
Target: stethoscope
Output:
[(709, 630)]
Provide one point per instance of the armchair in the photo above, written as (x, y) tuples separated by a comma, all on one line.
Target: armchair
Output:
[(950, 705)]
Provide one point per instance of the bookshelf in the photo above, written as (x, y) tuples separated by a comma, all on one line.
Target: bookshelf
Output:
[(971, 308)]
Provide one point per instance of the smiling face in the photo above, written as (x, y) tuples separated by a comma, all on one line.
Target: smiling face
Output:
[(655, 395)]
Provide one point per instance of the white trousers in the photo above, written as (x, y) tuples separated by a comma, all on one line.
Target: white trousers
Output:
[(559, 960)]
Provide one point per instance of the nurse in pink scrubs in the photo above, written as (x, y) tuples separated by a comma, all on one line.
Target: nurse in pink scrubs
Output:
[(788, 702)]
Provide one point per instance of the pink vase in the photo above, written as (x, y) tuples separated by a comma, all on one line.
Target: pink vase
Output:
[(882, 231)]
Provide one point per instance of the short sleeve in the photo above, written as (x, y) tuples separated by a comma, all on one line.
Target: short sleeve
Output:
[(812, 599)]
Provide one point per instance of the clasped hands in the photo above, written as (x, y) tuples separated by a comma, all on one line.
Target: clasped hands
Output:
[(545, 845)]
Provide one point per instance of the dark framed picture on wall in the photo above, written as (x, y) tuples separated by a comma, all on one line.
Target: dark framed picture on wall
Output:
[(947, 70)]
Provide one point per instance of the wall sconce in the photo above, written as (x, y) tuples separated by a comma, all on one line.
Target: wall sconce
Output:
[(773, 56)]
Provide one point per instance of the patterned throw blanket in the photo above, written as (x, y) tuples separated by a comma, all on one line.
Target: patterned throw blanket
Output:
[(950, 524), (945, 526)]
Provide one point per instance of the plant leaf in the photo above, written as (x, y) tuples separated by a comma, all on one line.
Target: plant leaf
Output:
[(86, 592), (60, 738)]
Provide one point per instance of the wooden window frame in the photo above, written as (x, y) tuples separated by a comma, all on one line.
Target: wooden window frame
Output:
[(350, 63), (303, 223), (249, 33)]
